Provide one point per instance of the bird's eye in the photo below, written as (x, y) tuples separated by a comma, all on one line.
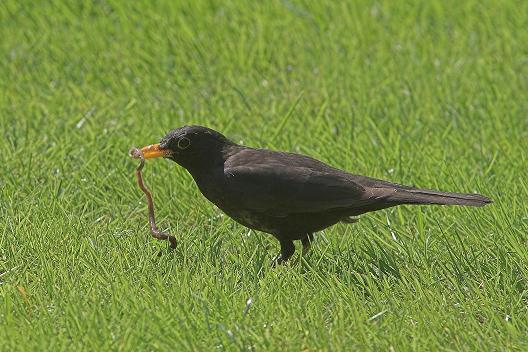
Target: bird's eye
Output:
[(184, 143)]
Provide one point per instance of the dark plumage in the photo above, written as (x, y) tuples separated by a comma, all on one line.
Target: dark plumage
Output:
[(288, 195)]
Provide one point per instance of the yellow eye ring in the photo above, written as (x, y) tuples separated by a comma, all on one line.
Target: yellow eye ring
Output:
[(184, 143)]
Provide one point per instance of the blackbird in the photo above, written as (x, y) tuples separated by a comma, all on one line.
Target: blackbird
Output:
[(287, 195)]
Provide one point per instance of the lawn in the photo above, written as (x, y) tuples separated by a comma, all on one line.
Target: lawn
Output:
[(425, 93)]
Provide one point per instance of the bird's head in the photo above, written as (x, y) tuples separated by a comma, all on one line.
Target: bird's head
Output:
[(189, 146)]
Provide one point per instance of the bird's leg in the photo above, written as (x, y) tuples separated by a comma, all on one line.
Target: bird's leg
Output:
[(307, 243), (287, 250)]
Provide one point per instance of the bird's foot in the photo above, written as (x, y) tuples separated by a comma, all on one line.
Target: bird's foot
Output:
[(287, 250), (278, 260)]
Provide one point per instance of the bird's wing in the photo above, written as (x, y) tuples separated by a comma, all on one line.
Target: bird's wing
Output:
[(280, 184)]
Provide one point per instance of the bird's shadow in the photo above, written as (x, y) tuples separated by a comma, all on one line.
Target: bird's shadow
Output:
[(372, 263), (353, 265)]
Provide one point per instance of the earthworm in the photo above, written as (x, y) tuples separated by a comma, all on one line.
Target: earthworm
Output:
[(156, 233)]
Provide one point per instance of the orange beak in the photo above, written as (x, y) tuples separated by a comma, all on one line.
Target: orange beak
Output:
[(154, 151)]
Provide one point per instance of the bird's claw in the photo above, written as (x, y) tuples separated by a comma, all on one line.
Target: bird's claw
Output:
[(278, 260)]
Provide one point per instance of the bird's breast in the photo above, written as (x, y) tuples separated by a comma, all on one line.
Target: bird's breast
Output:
[(216, 191)]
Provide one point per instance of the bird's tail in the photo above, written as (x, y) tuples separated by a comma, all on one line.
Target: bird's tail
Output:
[(408, 195)]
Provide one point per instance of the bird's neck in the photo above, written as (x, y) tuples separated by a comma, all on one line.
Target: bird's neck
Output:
[(204, 164)]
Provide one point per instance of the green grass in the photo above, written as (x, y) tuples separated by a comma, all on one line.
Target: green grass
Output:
[(431, 93)]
